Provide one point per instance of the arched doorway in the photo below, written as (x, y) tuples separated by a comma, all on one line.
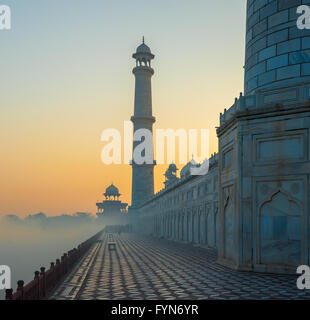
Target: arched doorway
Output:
[(279, 231)]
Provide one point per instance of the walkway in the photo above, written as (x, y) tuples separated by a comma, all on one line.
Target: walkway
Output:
[(148, 268)]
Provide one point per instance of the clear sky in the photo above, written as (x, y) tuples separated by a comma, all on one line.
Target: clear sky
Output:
[(66, 75)]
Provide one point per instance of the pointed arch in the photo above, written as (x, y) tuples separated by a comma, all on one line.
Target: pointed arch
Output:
[(279, 229)]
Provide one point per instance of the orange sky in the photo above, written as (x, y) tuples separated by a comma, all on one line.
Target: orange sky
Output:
[(63, 85)]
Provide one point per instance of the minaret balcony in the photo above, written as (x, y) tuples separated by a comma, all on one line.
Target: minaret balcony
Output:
[(133, 164), (145, 69), (143, 119)]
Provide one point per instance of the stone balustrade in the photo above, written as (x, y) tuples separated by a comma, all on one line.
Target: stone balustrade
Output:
[(45, 281), (265, 98)]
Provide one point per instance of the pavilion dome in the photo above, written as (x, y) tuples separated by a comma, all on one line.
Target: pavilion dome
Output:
[(185, 172), (172, 167), (143, 48), (112, 191)]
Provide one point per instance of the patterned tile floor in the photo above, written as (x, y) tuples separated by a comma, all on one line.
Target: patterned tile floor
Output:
[(148, 268)]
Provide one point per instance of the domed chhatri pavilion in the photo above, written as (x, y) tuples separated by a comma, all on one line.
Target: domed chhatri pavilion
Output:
[(112, 207), (112, 191)]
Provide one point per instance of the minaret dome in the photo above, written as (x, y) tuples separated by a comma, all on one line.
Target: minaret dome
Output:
[(143, 55)]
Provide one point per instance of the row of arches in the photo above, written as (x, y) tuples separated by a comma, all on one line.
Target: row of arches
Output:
[(193, 225)]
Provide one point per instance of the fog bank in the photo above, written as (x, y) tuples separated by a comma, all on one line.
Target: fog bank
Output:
[(36, 241)]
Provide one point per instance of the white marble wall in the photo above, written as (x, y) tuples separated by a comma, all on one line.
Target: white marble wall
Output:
[(264, 168), (186, 211), (253, 205)]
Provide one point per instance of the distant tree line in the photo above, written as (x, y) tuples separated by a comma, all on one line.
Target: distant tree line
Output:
[(43, 221)]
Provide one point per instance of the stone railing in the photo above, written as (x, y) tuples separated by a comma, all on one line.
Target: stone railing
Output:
[(45, 281), (263, 98)]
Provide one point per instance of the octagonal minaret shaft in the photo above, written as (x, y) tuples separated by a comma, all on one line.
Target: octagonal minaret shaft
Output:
[(142, 174)]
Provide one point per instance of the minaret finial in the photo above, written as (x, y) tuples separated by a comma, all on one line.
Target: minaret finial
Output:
[(143, 39)]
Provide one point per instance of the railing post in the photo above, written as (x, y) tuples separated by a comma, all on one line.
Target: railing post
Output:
[(58, 269), (43, 285), (66, 262), (37, 279), (51, 280), (69, 259), (63, 268), (20, 289), (9, 294)]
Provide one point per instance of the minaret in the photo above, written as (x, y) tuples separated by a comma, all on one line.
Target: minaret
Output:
[(142, 175)]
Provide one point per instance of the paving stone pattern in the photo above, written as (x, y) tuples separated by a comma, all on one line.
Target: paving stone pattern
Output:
[(148, 268)]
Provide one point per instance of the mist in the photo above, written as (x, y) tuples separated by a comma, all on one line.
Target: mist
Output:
[(36, 241)]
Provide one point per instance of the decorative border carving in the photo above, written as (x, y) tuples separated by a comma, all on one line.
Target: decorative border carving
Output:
[(257, 138)]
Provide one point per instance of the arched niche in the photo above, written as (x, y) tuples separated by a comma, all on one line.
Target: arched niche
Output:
[(279, 230)]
